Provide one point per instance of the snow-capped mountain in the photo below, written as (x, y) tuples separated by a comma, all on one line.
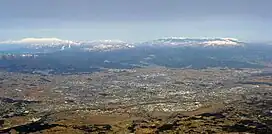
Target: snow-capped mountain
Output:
[(41, 42), (205, 42), (55, 44), (106, 45)]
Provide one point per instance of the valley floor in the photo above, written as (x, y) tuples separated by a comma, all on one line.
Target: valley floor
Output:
[(147, 100)]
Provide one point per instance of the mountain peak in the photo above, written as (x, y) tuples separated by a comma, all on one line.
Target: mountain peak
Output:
[(200, 38), (39, 41), (182, 41)]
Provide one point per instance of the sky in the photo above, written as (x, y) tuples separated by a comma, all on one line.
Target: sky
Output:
[(135, 20)]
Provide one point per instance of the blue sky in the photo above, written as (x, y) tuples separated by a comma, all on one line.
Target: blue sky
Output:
[(135, 20)]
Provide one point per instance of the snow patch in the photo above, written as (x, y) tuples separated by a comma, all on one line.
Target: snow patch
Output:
[(39, 41)]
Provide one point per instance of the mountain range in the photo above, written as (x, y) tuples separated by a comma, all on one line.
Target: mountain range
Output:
[(65, 56), (55, 44)]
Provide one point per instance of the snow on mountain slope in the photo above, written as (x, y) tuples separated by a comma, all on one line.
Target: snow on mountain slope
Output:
[(107, 42), (180, 41), (55, 44), (40, 41), (59, 44), (106, 45)]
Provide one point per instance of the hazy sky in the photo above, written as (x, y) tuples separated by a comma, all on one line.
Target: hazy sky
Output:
[(135, 20)]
